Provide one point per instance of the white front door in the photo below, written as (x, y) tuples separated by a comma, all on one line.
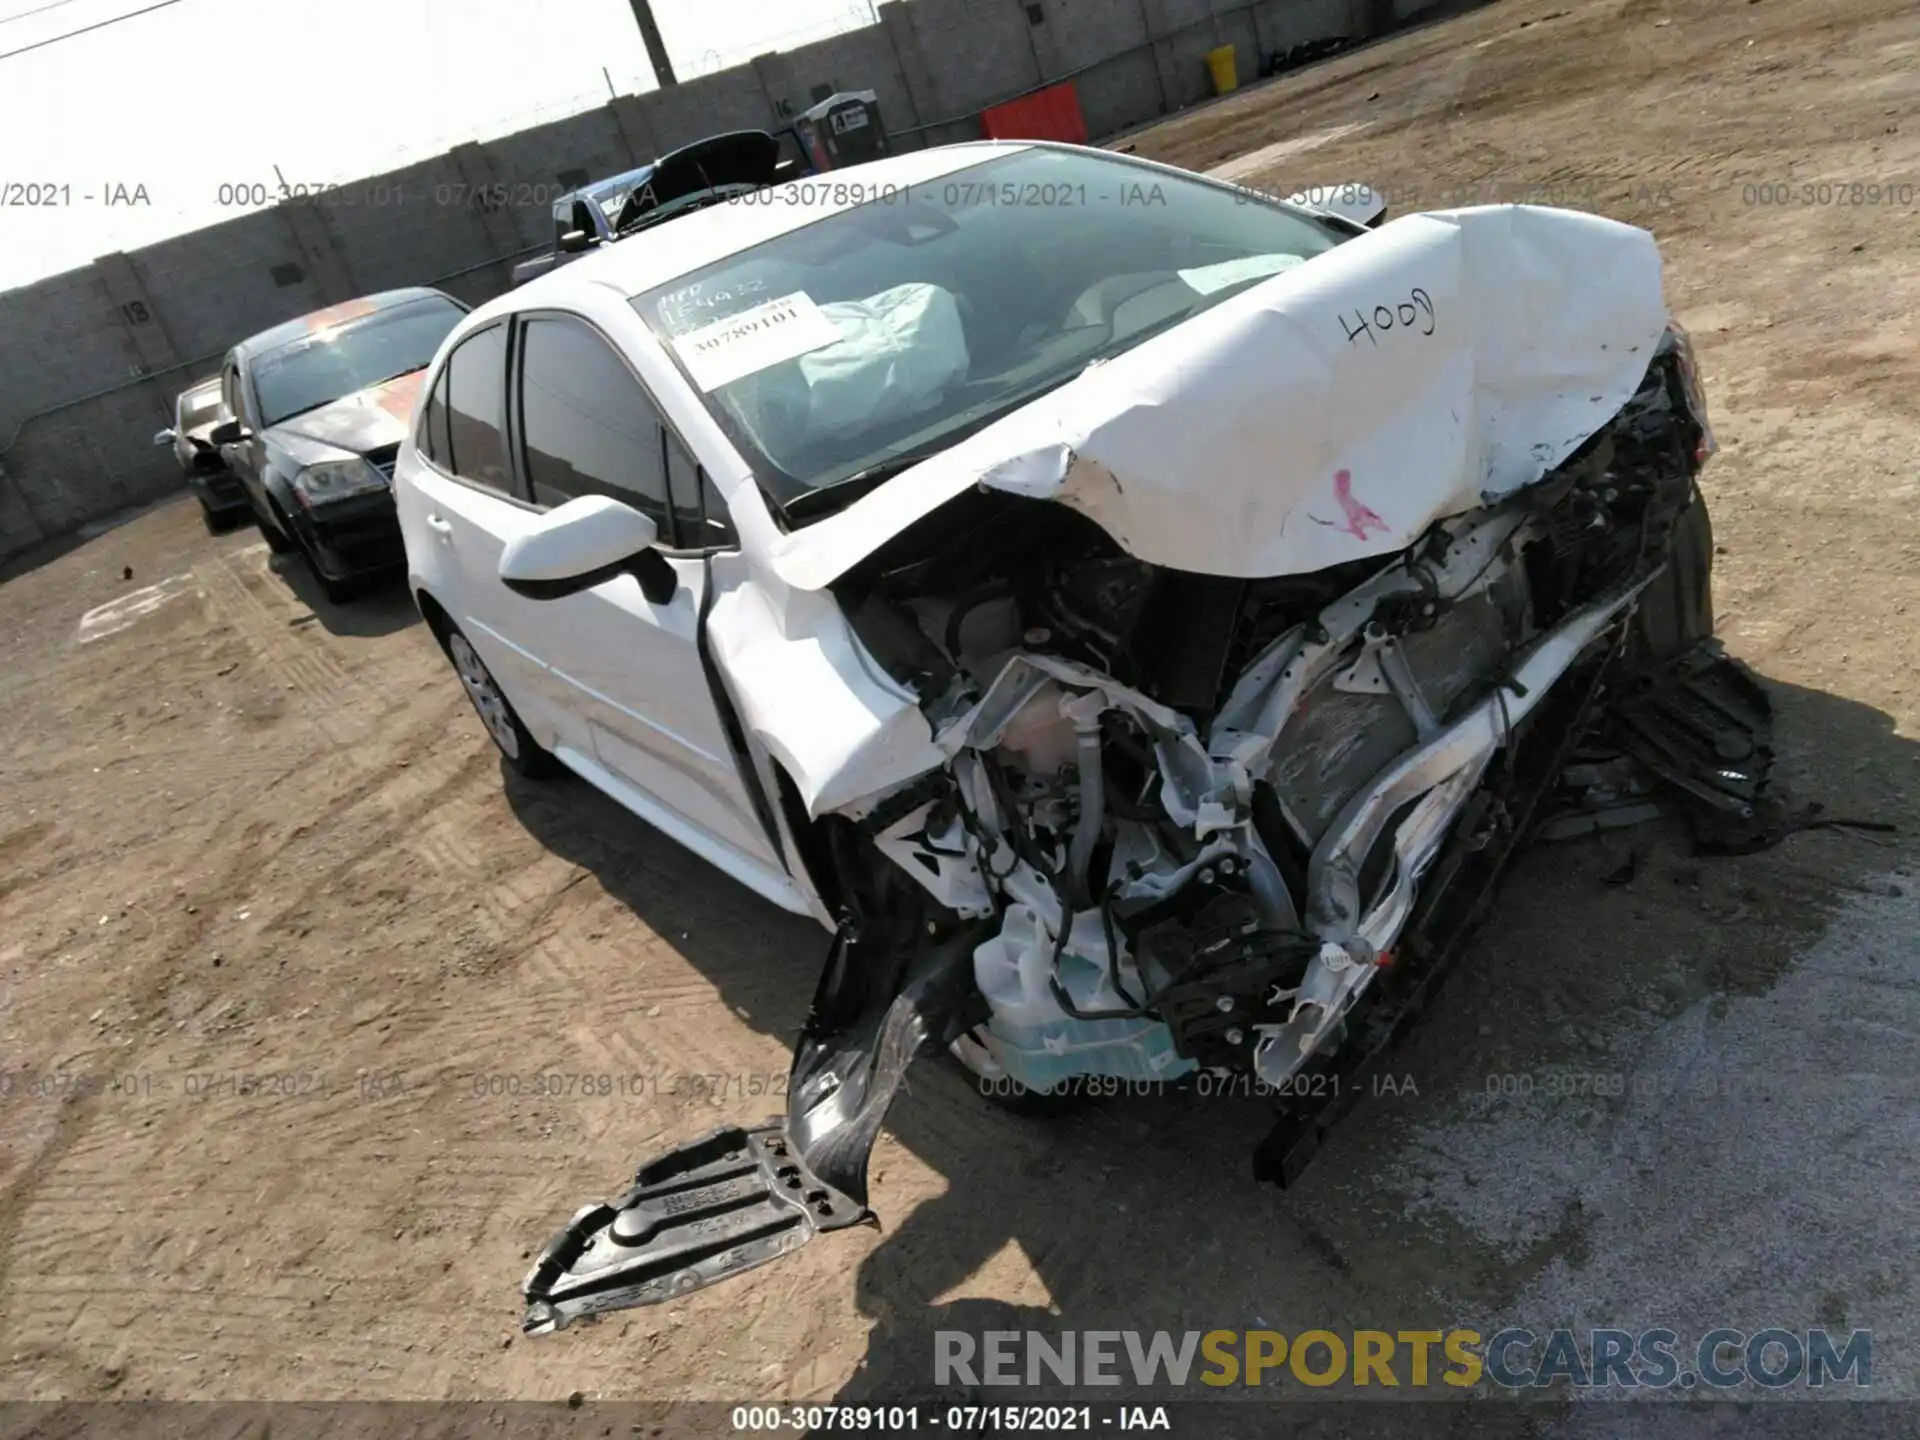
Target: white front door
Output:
[(630, 669)]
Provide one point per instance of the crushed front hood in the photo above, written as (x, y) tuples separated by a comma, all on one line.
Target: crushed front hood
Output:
[(1329, 414)]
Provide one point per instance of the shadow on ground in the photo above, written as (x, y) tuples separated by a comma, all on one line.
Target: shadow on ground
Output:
[(1142, 1214), (45, 552), (379, 606)]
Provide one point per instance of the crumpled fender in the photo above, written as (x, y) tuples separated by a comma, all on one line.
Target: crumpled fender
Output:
[(813, 698)]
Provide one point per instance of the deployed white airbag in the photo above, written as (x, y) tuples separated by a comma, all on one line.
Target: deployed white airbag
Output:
[(897, 354), (1330, 413)]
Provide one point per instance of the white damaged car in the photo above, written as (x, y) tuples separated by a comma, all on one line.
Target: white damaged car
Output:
[(1137, 618)]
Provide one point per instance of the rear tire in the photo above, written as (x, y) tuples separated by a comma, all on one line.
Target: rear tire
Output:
[(502, 722), (214, 527)]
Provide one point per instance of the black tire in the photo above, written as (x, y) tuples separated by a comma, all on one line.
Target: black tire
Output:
[(1010, 1095), (1676, 611), (501, 721), (338, 592), (214, 526), (279, 540)]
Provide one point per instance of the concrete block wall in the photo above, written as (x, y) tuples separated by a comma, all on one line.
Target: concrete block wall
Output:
[(199, 284), (90, 360), (60, 338), (862, 59), (84, 336), (977, 53)]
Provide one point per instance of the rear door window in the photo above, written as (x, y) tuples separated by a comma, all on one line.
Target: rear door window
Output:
[(476, 406), (432, 439)]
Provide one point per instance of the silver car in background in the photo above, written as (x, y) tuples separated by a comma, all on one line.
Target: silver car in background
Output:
[(196, 410)]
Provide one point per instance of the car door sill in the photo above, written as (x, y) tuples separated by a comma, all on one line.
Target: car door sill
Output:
[(757, 878)]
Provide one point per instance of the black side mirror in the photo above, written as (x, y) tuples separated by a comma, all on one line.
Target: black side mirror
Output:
[(657, 580), (227, 432)]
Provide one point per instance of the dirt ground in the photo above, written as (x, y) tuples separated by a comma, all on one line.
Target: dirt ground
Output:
[(245, 834)]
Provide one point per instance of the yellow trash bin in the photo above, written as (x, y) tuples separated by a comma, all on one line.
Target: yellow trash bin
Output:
[(1220, 65)]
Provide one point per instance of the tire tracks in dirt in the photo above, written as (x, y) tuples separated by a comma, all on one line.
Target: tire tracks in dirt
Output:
[(333, 701)]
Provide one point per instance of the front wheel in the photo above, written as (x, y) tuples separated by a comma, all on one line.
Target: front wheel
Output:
[(279, 540), (971, 1053), (338, 592), (515, 741)]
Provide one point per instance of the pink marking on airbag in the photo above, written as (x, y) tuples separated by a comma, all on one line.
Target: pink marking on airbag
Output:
[(1359, 517)]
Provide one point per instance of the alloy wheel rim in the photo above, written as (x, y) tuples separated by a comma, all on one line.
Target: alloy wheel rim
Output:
[(485, 695)]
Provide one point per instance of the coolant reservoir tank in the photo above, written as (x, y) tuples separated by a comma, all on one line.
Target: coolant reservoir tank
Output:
[(1040, 738), (1037, 1041), (1015, 969)]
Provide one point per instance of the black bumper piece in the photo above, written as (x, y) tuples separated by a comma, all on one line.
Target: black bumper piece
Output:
[(715, 1207), (734, 1200), (354, 538)]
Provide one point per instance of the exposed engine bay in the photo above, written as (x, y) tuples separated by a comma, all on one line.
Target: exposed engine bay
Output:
[(1197, 809), (1194, 823)]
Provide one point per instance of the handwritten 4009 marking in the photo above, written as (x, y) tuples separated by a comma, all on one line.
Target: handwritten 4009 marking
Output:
[(1414, 313)]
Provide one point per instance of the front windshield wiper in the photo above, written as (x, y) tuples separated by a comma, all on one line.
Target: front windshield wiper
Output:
[(296, 414), (828, 498)]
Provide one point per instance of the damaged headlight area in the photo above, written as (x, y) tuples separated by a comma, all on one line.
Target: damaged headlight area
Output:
[(1198, 810), (1191, 823)]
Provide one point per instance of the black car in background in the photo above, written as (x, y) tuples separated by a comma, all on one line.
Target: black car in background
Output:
[(196, 411), (315, 410), (720, 167)]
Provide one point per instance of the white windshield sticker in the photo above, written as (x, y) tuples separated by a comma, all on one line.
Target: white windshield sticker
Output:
[(1209, 278), (750, 341)]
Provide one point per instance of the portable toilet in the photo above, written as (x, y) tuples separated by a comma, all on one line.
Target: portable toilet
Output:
[(843, 129)]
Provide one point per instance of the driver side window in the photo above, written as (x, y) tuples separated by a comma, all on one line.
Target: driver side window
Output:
[(590, 428)]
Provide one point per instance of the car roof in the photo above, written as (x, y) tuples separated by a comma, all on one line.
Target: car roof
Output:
[(647, 258), (325, 319)]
